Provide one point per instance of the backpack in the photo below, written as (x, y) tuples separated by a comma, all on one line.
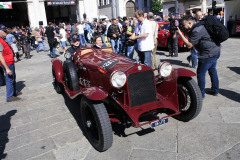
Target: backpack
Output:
[(215, 28)]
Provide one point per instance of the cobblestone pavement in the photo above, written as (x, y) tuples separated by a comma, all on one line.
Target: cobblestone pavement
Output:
[(46, 125)]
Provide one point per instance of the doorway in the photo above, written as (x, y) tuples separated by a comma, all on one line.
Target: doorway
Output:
[(130, 9)]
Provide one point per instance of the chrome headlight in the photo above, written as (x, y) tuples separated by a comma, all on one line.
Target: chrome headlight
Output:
[(118, 79), (67, 55), (165, 69)]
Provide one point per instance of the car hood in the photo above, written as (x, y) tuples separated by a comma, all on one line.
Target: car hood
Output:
[(107, 61)]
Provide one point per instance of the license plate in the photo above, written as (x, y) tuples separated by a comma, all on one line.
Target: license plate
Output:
[(159, 122)]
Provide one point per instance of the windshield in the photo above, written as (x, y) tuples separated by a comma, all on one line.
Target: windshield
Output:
[(165, 27)]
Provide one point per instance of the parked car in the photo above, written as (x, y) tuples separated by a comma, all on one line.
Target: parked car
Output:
[(163, 35), (116, 89)]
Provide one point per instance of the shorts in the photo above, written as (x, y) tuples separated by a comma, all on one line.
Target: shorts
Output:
[(63, 44)]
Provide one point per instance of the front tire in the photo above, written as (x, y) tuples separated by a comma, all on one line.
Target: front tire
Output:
[(189, 98), (96, 124)]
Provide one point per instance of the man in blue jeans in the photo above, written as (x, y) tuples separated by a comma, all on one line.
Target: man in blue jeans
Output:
[(114, 35), (143, 35), (209, 53), (7, 63)]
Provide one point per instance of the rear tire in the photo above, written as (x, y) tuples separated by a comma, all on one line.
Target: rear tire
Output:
[(189, 98), (70, 75), (97, 125)]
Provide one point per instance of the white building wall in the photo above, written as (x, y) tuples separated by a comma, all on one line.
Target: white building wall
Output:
[(91, 9), (36, 13)]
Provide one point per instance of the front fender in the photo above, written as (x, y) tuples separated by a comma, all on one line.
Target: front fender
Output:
[(181, 72), (57, 65), (95, 93)]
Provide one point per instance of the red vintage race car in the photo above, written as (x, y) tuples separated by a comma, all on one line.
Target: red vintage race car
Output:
[(163, 35), (116, 89)]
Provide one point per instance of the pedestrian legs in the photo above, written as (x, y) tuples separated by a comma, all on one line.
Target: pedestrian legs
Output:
[(209, 65), (2, 77), (10, 82), (153, 55)]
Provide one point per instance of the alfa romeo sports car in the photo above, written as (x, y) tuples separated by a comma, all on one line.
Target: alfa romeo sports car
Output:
[(115, 89)]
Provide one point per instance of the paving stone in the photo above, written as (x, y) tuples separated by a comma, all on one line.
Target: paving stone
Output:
[(205, 140), (65, 138), (18, 141), (73, 151), (32, 150), (46, 156), (231, 154), (230, 114), (31, 127), (59, 118), (140, 154), (51, 130), (162, 138), (120, 149)]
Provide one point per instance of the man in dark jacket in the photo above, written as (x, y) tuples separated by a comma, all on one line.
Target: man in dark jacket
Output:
[(209, 53), (173, 39), (114, 35), (50, 32)]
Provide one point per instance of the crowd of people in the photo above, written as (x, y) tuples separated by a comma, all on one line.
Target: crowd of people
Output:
[(124, 35)]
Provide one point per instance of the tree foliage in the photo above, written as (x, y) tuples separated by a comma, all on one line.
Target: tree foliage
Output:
[(156, 6)]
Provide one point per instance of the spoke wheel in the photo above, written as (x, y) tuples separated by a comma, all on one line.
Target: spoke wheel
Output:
[(189, 99), (96, 124)]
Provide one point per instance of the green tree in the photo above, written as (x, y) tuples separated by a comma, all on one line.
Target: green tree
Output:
[(156, 6)]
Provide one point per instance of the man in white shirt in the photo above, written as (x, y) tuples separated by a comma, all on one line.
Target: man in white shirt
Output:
[(154, 27), (63, 36), (81, 34), (143, 34)]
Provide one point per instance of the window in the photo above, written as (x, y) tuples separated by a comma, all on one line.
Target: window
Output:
[(145, 3), (110, 2), (105, 2)]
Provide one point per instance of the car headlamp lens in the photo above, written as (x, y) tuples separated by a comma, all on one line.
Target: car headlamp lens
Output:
[(67, 55), (165, 69), (118, 79)]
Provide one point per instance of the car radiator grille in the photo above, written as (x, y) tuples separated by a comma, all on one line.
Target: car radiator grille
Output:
[(141, 88)]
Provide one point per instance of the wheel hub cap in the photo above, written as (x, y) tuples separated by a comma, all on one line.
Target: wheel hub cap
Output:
[(88, 123)]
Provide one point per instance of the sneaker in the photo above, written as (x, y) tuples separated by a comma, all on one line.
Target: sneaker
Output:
[(13, 99)]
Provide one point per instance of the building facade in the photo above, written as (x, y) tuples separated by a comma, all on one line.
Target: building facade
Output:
[(185, 5), (35, 13)]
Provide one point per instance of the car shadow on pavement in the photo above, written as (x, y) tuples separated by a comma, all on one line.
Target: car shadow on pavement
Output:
[(20, 85), (5, 127), (176, 62), (74, 108), (235, 69), (230, 94)]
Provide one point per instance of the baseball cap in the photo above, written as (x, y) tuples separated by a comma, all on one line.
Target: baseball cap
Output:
[(3, 28)]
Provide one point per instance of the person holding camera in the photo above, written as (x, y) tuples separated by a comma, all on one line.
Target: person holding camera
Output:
[(173, 39), (129, 44), (114, 34)]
